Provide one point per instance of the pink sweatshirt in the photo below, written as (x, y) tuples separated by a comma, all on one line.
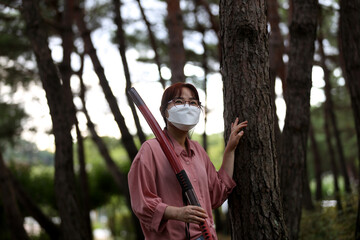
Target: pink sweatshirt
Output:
[(153, 186)]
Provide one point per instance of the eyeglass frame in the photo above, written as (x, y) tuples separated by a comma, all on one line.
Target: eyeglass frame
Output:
[(185, 101)]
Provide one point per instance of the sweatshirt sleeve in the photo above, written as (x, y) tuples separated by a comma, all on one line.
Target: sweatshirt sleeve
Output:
[(145, 202)]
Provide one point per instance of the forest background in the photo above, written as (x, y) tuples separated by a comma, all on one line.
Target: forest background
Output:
[(101, 48)]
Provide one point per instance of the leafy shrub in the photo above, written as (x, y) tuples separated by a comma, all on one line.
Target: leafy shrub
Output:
[(329, 223)]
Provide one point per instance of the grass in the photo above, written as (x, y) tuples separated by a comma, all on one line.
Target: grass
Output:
[(326, 222), (329, 223)]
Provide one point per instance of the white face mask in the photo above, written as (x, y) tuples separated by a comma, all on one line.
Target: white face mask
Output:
[(184, 117)]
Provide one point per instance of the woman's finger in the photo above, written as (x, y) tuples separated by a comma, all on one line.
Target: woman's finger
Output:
[(197, 220), (199, 217), (237, 128), (236, 121), (194, 214), (199, 211)]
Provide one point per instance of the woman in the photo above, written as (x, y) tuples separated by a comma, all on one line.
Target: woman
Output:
[(156, 196)]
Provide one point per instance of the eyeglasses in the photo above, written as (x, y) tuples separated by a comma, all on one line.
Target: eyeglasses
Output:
[(179, 102)]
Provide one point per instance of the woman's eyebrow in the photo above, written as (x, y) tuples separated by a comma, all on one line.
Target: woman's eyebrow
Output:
[(192, 98)]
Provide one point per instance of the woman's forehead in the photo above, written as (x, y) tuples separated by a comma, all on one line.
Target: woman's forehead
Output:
[(185, 92)]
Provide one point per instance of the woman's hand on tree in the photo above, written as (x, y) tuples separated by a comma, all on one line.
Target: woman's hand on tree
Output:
[(236, 134)]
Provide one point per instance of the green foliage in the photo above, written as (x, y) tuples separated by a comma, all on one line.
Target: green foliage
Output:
[(12, 41), (116, 150), (215, 148), (119, 218), (10, 122), (101, 185), (328, 223), (38, 182), (27, 153), (345, 123), (15, 49), (41, 236), (328, 186), (37, 178), (35, 172)]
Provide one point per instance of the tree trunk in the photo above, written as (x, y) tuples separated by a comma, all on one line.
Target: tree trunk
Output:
[(350, 54), (65, 65), (27, 203), (213, 20), (330, 107), (152, 43), (83, 180), (297, 119), (66, 73), (255, 204), (307, 202), (119, 178), (205, 68), (13, 216), (317, 164), (276, 41), (277, 66), (332, 161), (122, 49), (126, 138), (73, 225), (174, 24), (354, 175)]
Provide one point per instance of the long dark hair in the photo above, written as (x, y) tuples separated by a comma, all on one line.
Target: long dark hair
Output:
[(174, 91)]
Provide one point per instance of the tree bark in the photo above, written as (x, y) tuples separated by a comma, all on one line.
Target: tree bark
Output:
[(73, 225), (332, 160), (122, 49), (276, 41), (350, 57), (126, 138), (330, 107), (119, 178), (205, 68), (67, 37), (13, 216), (174, 24), (83, 180), (66, 34), (307, 202), (153, 43), (27, 203), (277, 65), (297, 119), (317, 164), (255, 204), (213, 20)]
